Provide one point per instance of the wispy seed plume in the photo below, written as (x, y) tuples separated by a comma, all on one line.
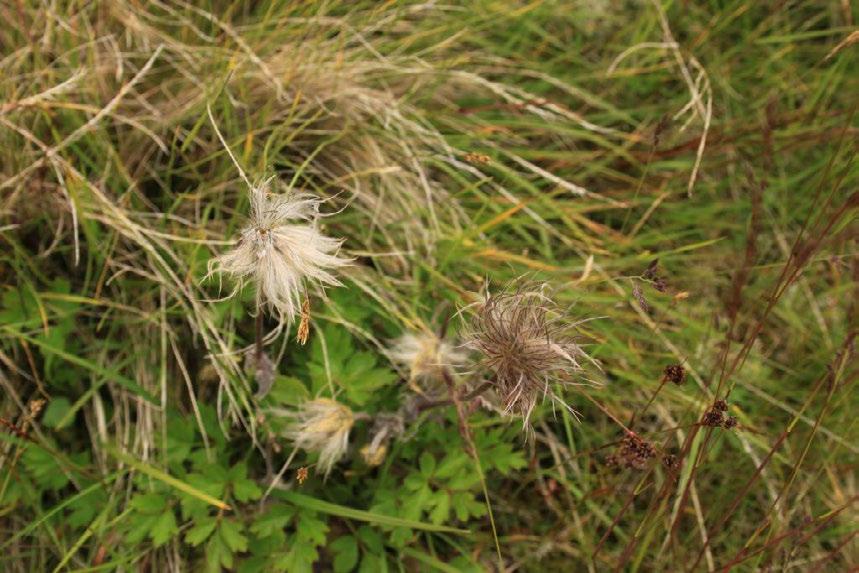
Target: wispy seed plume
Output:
[(322, 426), (281, 249), (425, 355), (524, 346)]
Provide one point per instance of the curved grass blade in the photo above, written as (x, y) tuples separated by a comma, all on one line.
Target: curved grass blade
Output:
[(167, 478), (323, 506)]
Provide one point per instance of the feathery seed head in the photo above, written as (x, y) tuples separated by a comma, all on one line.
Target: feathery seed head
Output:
[(523, 344), (385, 428), (322, 425), (279, 255), (425, 354)]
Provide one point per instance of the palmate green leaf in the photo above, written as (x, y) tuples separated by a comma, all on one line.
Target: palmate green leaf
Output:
[(310, 533), (345, 551), (244, 489), (231, 533), (427, 464), (441, 512), (56, 410), (213, 486), (361, 515), (148, 503), (466, 506), (310, 528), (163, 528), (288, 391), (18, 306), (44, 468), (372, 563), (201, 531), (356, 372), (299, 559), (276, 518), (218, 554), (140, 527)]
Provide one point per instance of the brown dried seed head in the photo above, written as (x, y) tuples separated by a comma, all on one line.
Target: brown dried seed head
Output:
[(712, 418), (634, 452), (301, 475), (639, 296), (674, 373), (730, 423), (720, 405), (523, 345), (650, 272), (670, 461), (36, 407), (304, 324), (480, 158)]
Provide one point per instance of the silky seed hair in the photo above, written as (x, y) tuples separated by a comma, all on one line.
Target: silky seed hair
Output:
[(525, 346), (425, 354), (322, 426), (281, 250)]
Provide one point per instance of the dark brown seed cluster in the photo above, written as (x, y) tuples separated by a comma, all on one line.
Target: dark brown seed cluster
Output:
[(674, 373), (712, 418), (639, 296), (632, 452), (670, 462), (715, 417), (652, 274), (523, 344)]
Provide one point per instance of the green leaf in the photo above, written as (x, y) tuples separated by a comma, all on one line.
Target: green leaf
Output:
[(300, 559), (310, 528), (243, 489), (44, 468), (345, 551), (288, 391), (56, 411), (441, 511), (373, 564), (201, 531), (217, 554), (163, 528), (149, 503), (231, 532), (275, 519), (371, 539), (427, 464)]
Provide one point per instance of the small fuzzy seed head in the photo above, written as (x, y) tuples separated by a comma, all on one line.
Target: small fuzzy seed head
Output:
[(425, 355), (524, 346), (322, 426), (280, 255)]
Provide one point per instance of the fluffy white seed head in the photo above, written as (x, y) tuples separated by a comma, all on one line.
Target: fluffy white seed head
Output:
[(425, 354), (322, 426), (280, 255)]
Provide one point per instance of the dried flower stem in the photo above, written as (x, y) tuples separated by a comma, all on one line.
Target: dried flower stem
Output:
[(429, 404), (464, 430), (259, 337)]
